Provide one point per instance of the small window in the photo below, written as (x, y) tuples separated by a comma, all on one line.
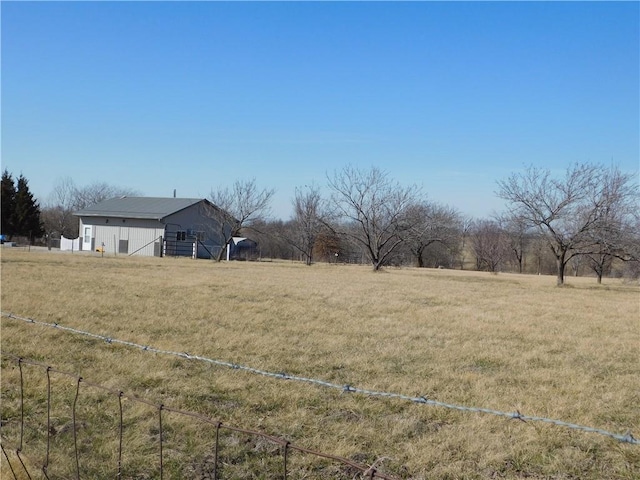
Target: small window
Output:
[(181, 236)]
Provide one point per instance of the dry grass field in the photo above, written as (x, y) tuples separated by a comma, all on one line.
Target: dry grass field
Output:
[(504, 342)]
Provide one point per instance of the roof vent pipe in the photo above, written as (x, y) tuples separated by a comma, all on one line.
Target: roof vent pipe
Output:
[(174, 193)]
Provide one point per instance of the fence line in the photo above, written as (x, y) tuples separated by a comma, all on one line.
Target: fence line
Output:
[(625, 438), (286, 446)]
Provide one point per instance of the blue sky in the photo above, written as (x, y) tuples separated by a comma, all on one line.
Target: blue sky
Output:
[(191, 96)]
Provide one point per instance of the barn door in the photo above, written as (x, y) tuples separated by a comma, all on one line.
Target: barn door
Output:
[(123, 240), (87, 231)]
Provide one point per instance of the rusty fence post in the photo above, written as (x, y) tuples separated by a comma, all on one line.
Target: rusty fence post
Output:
[(286, 450), (215, 452), (120, 395), (75, 427)]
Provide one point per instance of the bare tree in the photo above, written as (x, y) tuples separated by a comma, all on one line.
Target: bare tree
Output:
[(309, 221), (431, 223), (329, 246), (239, 207), (97, 192), (576, 264), (544, 260), (57, 213), (490, 244), (616, 235), (373, 209), (67, 198), (632, 242), (271, 238), (466, 224), (568, 212), (518, 237)]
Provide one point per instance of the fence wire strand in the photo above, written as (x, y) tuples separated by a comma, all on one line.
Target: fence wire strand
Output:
[(423, 400), (284, 444), (120, 433), (4, 452)]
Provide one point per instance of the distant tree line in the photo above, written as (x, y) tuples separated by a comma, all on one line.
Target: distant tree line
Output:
[(67, 197), (586, 220)]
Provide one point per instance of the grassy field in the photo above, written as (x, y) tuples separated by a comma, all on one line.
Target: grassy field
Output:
[(504, 342)]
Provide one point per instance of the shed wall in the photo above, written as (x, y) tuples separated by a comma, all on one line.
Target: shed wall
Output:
[(126, 237), (144, 237), (195, 219)]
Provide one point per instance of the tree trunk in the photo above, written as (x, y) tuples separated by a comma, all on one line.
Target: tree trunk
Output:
[(221, 253), (560, 264), (599, 269), (518, 258)]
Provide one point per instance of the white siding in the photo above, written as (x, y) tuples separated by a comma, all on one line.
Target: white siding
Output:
[(106, 236), (141, 240), (138, 236)]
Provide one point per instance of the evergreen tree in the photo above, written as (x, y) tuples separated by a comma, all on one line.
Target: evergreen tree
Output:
[(27, 212), (7, 203)]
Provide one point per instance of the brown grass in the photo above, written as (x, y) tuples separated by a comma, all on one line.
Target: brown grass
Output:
[(505, 342)]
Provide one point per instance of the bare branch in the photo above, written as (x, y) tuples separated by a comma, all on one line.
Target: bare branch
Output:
[(239, 207)]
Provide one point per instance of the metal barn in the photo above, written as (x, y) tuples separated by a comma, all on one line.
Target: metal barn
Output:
[(151, 226)]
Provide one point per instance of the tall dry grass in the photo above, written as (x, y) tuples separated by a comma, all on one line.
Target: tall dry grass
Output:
[(505, 342)]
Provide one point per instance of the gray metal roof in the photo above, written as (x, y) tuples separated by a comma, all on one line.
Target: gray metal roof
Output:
[(152, 208)]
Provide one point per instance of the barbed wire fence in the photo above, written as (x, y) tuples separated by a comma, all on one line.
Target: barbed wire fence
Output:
[(627, 437), (284, 446), (22, 467)]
